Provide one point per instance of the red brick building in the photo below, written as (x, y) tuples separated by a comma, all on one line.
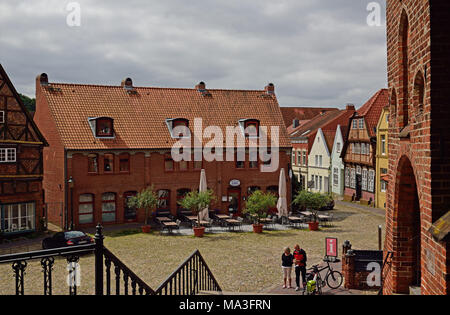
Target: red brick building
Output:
[(419, 145), (359, 152), (109, 142), (21, 164)]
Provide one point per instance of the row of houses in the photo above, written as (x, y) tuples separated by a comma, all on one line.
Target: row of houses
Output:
[(343, 152), (89, 148)]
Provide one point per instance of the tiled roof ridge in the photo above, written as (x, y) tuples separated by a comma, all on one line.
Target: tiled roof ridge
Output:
[(56, 84), (365, 108)]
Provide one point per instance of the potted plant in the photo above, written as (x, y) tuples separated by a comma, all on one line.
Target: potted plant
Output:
[(147, 199), (257, 207), (313, 202), (196, 202)]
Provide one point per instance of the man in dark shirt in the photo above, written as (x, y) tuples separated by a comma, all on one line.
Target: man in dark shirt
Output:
[(300, 266)]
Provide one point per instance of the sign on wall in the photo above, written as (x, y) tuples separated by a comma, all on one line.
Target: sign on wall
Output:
[(235, 182)]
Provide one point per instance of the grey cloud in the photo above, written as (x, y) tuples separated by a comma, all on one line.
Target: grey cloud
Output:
[(318, 53)]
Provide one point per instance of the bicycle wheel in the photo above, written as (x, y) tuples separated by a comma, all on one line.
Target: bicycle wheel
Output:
[(334, 279)]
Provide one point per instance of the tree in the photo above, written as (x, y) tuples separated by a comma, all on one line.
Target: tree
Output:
[(147, 199), (258, 205), (311, 201), (30, 103), (197, 201)]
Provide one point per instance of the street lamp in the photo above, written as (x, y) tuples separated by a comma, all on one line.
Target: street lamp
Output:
[(71, 183)]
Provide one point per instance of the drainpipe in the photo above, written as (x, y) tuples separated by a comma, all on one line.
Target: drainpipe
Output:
[(66, 186)]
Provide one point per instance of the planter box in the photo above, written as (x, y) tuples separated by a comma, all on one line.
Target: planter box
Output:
[(146, 228), (313, 226), (199, 231), (258, 228)]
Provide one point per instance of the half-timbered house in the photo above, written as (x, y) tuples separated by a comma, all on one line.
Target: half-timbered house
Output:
[(21, 164)]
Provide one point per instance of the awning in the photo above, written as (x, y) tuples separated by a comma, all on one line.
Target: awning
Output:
[(440, 229)]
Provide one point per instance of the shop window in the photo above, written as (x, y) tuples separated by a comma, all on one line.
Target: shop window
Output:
[(19, 217), (109, 207), (86, 209), (181, 193), (163, 200)]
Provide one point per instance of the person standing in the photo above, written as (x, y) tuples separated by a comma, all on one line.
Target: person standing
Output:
[(287, 260), (300, 266)]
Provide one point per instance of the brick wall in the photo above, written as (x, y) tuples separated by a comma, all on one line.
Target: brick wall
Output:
[(147, 168), (418, 164)]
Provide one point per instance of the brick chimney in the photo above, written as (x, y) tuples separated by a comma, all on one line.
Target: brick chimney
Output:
[(127, 84), (42, 79), (350, 106), (201, 87), (270, 89)]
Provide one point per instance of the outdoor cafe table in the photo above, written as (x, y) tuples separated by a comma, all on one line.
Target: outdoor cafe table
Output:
[(265, 220), (169, 225), (163, 219), (232, 223), (223, 216), (307, 213)]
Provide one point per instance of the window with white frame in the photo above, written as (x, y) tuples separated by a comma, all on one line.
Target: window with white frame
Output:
[(304, 157), (338, 147), (361, 123), (2, 116), (353, 178), (358, 170), (355, 124), (320, 160), (320, 183), (371, 180), (364, 179), (357, 148), (19, 217), (383, 144), (316, 160), (293, 158), (299, 157), (383, 185), (335, 176), (7, 155), (347, 177)]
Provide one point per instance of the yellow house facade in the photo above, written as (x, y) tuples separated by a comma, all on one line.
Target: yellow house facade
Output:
[(382, 159)]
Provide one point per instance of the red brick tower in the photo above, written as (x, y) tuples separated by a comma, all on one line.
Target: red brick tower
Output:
[(419, 144)]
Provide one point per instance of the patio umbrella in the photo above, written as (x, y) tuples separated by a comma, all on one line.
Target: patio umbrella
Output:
[(282, 201), (204, 214)]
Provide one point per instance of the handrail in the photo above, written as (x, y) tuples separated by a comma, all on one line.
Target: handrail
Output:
[(78, 249), (127, 271), (182, 272), (389, 254)]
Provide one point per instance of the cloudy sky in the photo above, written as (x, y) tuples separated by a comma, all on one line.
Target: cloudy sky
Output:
[(316, 52)]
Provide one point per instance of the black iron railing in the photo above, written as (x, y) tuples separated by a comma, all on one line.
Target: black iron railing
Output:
[(191, 277), (130, 279), (387, 261), (20, 262)]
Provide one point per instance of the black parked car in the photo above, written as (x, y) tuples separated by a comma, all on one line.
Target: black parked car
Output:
[(65, 239)]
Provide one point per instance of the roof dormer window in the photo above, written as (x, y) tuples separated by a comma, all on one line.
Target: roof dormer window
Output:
[(250, 127), (178, 128), (102, 127)]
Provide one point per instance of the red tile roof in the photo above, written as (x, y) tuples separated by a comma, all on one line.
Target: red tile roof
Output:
[(301, 113), (140, 118), (328, 122), (371, 110)]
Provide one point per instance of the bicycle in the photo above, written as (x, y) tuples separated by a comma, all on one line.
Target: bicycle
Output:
[(333, 279)]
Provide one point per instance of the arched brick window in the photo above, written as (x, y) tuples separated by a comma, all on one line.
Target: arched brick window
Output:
[(393, 109), (419, 93), (93, 163), (403, 69)]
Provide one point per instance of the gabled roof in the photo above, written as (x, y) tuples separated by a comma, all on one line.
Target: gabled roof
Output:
[(5, 81), (140, 113), (328, 122), (371, 110), (301, 113)]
